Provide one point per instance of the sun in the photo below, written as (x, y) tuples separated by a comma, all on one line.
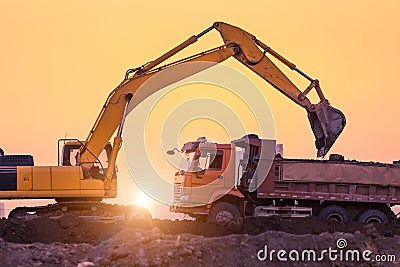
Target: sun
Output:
[(141, 199)]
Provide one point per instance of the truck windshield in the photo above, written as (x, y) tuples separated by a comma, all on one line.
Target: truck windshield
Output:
[(192, 161), (187, 161)]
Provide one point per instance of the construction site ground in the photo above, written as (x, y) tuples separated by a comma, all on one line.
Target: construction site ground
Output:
[(71, 241)]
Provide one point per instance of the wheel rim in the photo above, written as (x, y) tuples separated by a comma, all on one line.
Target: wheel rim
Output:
[(373, 220), (335, 217), (224, 216)]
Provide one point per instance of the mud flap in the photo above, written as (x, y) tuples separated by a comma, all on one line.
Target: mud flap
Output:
[(327, 123)]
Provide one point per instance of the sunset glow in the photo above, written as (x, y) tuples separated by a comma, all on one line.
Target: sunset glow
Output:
[(60, 60)]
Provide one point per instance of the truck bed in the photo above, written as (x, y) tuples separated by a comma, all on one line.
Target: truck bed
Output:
[(332, 180)]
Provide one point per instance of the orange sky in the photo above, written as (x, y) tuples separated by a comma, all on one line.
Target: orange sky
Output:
[(59, 61)]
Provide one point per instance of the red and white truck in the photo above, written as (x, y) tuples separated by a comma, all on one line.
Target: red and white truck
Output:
[(221, 182)]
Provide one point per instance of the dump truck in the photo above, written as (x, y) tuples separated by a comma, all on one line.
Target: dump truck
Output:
[(224, 182)]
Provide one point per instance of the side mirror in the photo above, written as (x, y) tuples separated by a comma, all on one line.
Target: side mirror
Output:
[(172, 151)]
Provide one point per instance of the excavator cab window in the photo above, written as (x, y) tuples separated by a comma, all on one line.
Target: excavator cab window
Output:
[(69, 154), (73, 156)]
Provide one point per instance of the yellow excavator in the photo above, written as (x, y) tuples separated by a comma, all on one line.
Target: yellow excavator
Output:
[(83, 178)]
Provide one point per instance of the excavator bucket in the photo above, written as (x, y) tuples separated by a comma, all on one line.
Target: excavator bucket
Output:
[(327, 123)]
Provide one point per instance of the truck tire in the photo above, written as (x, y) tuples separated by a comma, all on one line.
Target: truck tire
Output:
[(373, 216), (334, 213), (223, 212)]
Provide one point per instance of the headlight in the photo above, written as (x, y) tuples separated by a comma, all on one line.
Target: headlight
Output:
[(185, 198)]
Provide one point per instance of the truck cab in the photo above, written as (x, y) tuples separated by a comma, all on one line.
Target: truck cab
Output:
[(206, 169), (210, 172)]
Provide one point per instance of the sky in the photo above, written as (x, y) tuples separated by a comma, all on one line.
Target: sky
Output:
[(60, 59)]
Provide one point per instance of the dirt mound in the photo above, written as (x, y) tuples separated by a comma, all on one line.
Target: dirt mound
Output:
[(73, 241), (255, 226), (67, 229), (73, 229), (138, 247)]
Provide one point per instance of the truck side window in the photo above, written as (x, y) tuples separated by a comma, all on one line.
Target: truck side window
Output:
[(216, 163), (211, 159)]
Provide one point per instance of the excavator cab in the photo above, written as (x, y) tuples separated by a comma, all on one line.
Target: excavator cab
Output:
[(70, 150)]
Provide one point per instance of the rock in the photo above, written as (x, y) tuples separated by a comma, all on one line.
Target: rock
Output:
[(69, 220), (156, 262), (243, 243), (198, 253), (137, 235), (185, 252), (48, 260), (178, 241), (119, 254), (104, 262), (60, 255), (65, 262), (370, 230), (142, 259), (388, 233), (234, 225), (85, 264), (36, 257)]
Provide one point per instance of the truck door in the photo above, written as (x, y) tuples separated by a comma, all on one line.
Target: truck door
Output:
[(209, 176)]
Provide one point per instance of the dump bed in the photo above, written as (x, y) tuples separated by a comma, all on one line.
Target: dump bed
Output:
[(341, 172), (332, 180)]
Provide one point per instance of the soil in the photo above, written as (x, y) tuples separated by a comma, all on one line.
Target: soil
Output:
[(72, 241)]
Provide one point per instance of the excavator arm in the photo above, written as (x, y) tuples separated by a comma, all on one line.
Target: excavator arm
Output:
[(326, 122)]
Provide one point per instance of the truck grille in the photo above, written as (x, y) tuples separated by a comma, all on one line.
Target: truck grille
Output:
[(178, 191)]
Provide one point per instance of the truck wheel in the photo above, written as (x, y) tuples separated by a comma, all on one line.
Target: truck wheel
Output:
[(373, 216), (334, 213), (223, 212)]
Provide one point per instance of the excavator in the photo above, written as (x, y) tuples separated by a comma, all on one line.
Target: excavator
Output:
[(86, 173)]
